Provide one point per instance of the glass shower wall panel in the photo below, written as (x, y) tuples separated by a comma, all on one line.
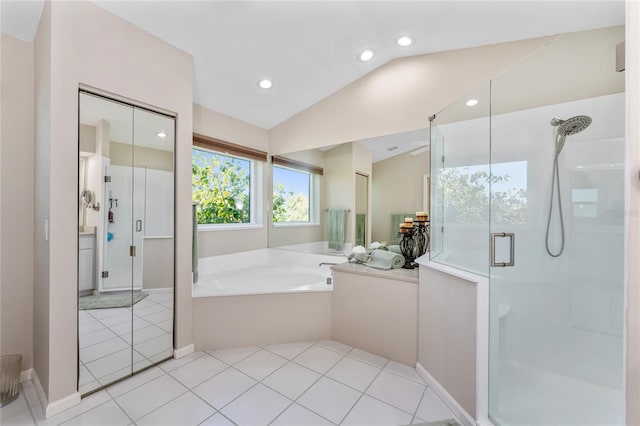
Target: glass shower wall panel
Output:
[(556, 323), (460, 178)]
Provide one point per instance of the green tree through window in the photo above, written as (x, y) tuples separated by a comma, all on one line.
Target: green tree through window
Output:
[(221, 185), (291, 195)]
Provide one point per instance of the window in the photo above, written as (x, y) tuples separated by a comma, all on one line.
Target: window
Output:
[(291, 195), (466, 193), (295, 192), (222, 187)]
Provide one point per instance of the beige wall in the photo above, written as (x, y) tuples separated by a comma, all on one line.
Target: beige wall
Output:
[(217, 125), (157, 262), (16, 198), (287, 235), (151, 158), (89, 46), (447, 341), (398, 96), (397, 186), (339, 184), (87, 138), (41, 308), (632, 218), (378, 315), (230, 321)]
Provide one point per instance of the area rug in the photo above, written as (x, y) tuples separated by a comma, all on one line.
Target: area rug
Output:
[(107, 301)]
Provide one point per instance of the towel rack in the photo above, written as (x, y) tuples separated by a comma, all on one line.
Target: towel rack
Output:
[(348, 210)]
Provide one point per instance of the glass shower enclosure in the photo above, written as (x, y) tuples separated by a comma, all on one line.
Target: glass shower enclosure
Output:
[(556, 315)]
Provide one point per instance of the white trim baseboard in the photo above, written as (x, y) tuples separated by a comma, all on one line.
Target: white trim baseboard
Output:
[(183, 351), (460, 413), (25, 375), (56, 407)]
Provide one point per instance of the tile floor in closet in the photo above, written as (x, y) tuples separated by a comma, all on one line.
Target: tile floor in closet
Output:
[(320, 383)]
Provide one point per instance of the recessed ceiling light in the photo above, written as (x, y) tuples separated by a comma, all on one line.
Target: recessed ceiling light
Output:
[(161, 135), (404, 41), (265, 84), (366, 55), (472, 102)]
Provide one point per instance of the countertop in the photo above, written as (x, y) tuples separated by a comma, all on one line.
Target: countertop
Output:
[(409, 275)]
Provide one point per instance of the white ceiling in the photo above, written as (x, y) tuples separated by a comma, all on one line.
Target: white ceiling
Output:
[(309, 48)]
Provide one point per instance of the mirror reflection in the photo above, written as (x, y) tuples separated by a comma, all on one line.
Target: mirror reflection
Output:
[(377, 181), (125, 240)]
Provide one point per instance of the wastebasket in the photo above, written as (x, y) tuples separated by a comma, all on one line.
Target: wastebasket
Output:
[(10, 366)]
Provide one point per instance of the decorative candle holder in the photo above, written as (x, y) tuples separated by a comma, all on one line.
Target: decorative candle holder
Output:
[(421, 237), (407, 247)]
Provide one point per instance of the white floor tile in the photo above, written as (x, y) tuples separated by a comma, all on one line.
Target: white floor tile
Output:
[(99, 350), (368, 357), (23, 418), (296, 415), (162, 356), (196, 372), (124, 318), (110, 363), (90, 327), (151, 395), (371, 412), (108, 414), (106, 313), (318, 359), (165, 325), (335, 346), (398, 391), (432, 408), (417, 420), (17, 406), (185, 410), (289, 350), (404, 371), (154, 345), (224, 387), (234, 355), (89, 386), (354, 373), (87, 403), (85, 376), (101, 335), (217, 420), (131, 383), (258, 406), (147, 309), (291, 380), (260, 364), (126, 327), (143, 334), (172, 364), (165, 315), (330, 399)]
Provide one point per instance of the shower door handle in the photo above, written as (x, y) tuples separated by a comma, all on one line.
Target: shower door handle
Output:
[(512, 250), (138, 225)]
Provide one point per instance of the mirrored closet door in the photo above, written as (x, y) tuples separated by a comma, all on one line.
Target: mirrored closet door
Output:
[(125, 240)]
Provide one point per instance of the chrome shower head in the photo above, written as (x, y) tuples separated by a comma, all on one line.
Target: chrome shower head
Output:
[(572, 125)]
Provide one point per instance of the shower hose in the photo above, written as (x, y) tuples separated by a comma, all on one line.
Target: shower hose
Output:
[(555, 186)]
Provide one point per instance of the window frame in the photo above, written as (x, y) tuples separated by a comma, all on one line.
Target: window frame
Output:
[(255, 194), (314, 195)]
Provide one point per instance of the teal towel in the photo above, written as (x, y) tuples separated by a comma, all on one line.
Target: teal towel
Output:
[(394, 249), (194, 243), (361, 229), (337, 228), (382, 259), (396, 220)]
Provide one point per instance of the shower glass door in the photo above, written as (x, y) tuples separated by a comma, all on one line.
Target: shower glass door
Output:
[(556, 323)]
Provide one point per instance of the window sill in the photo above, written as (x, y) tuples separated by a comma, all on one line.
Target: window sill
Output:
[(230, 227), (295, 225)]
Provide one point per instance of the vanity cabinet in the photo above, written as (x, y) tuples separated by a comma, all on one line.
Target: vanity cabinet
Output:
[(86, 262)]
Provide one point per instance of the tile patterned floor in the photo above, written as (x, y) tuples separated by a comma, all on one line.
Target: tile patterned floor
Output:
[(303, 384), (106, 335)]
